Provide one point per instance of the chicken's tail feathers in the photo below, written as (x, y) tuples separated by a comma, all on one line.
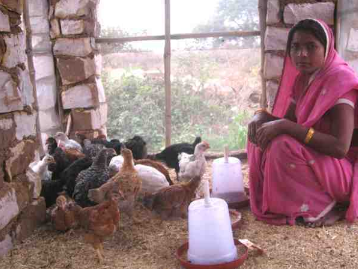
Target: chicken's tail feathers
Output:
[(196, 141)]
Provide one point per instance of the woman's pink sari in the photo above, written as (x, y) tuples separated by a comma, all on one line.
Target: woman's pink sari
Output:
[(290, 180)]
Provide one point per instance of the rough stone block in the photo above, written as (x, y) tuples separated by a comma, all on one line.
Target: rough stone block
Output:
[(14, 5), (26, 87), (30, 218), (76, 69), (19, 159), (293, 13), (10, 94), (25, 125), (74, 8), (49, 119), (38, 8), (6, 245), (81, 96), (273, 66), (354, 64), (7, 131), (46, 92), (2, 174), (352, 44), (44, 66), (34, 180), (100, 91), (39, 25), (72, 27), (55, 28), (276, 38), (41, 43), (80, 47), (4, 22), (9, 208), (271, 91), (273, 10), (15, 53), (85, 119)]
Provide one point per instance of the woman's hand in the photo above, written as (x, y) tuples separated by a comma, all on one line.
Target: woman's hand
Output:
[(255, 124), (269, 131)]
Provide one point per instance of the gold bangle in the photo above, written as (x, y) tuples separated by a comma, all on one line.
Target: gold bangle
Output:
[(260, 110), (309, 135)]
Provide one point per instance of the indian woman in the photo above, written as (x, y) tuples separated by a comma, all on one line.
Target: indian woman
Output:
[(302, 156)]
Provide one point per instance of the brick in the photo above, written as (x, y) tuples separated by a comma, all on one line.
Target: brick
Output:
[(80, 47), (15, 53), (72, 27), (293, 13), (85, 119), (7, 131), (14, 5), (276, 38), (4, 22), (273, 66), (32, 217), (273, 10), (25, 125), (44, 66), (74, 8), (76, 69), (6, 245), (9, 208), (10, 95)]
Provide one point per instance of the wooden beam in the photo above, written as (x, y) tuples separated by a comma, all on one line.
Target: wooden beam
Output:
[(167, 55), (178, 36), (262, 16)]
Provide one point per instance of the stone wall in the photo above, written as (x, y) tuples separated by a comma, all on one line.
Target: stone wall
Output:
[(20, 211), (281, 16), (73, 28), (348, 32), (45, 70)]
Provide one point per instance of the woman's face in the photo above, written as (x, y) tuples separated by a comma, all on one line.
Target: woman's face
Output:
[(307, 53)]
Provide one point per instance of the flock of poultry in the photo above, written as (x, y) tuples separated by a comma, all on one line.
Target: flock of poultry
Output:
[(89, 183)]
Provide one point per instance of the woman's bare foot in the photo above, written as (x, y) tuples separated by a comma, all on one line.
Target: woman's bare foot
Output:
[(328, 220)]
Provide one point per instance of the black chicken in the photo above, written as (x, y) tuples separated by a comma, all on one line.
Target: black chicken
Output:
[(62, 161), (138, 147), (113, 144), (93, 177), (70, 174), (170, 154)]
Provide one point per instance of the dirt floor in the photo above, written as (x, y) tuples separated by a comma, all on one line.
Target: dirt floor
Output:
[(151, 246)]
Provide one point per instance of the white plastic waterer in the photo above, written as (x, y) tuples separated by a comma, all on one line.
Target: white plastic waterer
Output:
[(227, 179), (210, 234)]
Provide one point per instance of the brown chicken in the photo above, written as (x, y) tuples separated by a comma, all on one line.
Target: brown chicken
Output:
[(73, 154), (157, 165), (98, 222), (62, 217), (126, 181), (171, 200)]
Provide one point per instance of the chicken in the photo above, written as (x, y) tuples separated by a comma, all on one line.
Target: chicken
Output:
[(50, 190), (61, 160), (138, 147), (70, 174), (73, 154), (62, 218), (51, 144), (170, 154), (67, 143), (114, 143), (91, 150), (41, 167), (192, 166), (127, 181), (98, 222), (92, 177), (156, 165), (174, 199)]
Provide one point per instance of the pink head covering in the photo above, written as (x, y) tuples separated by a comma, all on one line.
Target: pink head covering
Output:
[(334, 80)]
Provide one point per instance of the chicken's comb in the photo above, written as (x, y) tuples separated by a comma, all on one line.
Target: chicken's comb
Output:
[(205, 143)]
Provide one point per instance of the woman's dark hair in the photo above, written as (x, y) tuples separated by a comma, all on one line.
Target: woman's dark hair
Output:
[(310, 26)]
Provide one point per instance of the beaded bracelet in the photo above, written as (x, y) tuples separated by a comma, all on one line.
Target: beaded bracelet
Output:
[(309, 135)]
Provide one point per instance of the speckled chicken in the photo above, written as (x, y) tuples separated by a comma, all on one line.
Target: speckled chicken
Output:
[(91, 150), (127, 181), (98, 222), (93, 177), (172, 200), (62, 218)]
